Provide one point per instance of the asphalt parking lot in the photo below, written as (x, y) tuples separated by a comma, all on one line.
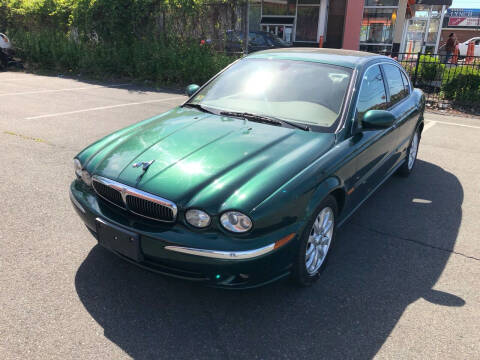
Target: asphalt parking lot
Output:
[(403, 281)]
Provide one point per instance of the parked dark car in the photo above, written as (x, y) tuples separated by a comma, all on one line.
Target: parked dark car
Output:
[(247, 181), (257, 40)]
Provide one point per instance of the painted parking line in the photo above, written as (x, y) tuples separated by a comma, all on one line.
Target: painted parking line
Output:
[(455, 124), (428, 125), (104, 108), (60, 90)]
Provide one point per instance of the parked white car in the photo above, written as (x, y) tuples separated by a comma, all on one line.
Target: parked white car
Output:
[(5, 51), (4, 42), (463, 47), (7, 54)]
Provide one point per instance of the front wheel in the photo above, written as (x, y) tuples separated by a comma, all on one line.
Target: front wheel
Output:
[(412, 152), (316, 243)]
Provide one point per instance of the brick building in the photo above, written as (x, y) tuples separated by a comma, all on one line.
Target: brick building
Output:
[(465, 23)]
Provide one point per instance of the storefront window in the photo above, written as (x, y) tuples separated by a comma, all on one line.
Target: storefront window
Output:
[(433, 30), (279, 7), (423, 29), (378, 25), (307, 23)]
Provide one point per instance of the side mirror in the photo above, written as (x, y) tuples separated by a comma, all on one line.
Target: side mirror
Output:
[(191, 89), (378, 119)]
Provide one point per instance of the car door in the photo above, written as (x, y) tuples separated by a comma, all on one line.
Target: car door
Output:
[(462, 48), (477, 47), (404, 107), (371, 146)]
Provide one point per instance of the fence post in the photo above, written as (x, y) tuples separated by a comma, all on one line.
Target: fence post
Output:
[(246, 26), (416, 69)]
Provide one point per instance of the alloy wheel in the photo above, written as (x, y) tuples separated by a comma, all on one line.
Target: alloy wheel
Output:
[(319, 240), (412, 154)]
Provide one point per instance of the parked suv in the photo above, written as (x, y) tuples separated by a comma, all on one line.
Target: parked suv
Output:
[(257, 40)]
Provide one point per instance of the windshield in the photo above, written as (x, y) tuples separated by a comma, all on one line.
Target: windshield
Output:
[(299, 91)]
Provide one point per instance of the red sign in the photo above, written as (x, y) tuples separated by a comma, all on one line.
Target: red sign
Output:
[(464, 21)]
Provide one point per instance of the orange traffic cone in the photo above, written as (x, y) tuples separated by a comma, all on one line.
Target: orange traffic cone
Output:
[(470, 52), (455, 56), (409, 49)]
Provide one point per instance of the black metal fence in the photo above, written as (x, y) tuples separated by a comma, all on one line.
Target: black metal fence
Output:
[(449, 82)]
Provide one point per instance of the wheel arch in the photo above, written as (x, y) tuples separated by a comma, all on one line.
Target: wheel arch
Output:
[(330, 186), (340, 196)]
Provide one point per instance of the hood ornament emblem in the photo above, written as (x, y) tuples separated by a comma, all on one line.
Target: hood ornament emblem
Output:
[(144, 166)]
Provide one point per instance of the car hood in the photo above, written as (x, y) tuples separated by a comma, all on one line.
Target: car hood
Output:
[(204, 160)]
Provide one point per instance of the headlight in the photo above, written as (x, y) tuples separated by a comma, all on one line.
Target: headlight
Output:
[(87, 178), (77, 165), (82, 174), (236, 221), (197, 218)]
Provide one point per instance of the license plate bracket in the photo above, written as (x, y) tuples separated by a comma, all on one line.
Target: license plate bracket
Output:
[(122, 241)]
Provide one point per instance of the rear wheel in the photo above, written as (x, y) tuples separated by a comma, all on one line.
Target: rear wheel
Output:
[(412, 152), (316, 243)]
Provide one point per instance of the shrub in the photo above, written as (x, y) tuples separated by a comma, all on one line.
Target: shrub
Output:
[(463, 88), (141, 39), (162, 62), (429, 69)]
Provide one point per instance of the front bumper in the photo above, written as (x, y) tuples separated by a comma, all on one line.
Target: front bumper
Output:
[(203, 256)]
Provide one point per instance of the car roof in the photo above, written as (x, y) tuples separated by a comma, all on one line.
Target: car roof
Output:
[(347, 58)]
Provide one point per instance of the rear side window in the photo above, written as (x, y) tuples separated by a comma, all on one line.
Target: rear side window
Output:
[(395, 84), (372, 93), (406, 83)]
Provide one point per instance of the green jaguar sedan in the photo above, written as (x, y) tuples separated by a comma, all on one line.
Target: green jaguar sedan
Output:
[(248, 180)]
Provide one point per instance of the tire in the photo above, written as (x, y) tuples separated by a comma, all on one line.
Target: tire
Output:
[(3, 61), (302, 274), (412, 152)]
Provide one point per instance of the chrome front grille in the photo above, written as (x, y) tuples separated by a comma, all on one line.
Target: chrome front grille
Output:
[(149, 209), (108, 193), (134, 200)]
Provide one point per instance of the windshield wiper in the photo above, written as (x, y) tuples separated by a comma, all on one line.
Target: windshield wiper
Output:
[(199, 107), (264, 119)]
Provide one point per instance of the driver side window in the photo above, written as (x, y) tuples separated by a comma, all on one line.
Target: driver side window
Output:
[(372, 94)]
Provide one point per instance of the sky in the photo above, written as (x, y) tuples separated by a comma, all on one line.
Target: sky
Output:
[(466, 4)]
